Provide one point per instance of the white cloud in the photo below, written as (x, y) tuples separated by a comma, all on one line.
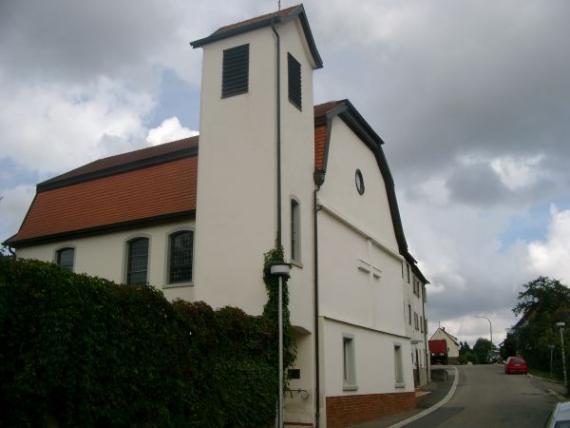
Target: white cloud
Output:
[(14, 203), (551, 257), (169, 130), (517, 173), (52, 128)]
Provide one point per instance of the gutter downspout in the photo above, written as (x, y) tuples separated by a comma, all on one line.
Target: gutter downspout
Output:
[(316, 309), (278, 77)]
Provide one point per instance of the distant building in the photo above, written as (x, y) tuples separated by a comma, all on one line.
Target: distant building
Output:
[(194, 218), (452, 343)]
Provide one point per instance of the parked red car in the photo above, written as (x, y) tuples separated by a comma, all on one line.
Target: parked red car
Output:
[(516, 365)]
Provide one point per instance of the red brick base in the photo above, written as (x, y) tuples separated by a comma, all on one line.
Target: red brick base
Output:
[(346, 410)]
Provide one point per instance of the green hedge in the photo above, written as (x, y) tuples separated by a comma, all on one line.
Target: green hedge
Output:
[(83, 351)]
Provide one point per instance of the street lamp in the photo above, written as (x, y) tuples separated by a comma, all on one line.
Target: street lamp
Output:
[(561, 326), (280, 270)]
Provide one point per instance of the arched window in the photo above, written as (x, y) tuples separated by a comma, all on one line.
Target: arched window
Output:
[(64, 258), (180, 256), (137, 261)]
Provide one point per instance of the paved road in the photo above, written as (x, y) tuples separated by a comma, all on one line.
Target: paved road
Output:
[(486, 397)]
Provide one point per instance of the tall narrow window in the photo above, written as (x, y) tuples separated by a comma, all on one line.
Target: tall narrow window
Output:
[(137, 261), (421, 324), (348, 365), (180, 257), (64, 258), (295, 231), (398, 366), (410, 314), (408, 272), (294, 71), (235, 73)]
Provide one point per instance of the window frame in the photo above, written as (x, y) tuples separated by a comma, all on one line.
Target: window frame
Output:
[(295, 232), (229, 92), (399, 381), (348, 363), (57, 257), (294, 66), (171, 236), (128, 272)]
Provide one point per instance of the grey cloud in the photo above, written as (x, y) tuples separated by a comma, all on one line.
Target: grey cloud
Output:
[(477, 184)]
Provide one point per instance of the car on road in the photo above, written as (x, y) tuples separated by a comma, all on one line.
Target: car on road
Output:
[(560, 416), (516, 365)]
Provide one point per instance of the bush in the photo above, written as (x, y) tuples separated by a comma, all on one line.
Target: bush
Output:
[(83, 351)]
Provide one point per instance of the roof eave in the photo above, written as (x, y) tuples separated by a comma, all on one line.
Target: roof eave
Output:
[(271, 20)]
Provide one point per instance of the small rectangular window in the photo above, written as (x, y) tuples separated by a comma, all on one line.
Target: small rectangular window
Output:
[(348, 365), (410, 314), (398, 367), (295, 231), (294, 72), (64, 258), (235, 73)]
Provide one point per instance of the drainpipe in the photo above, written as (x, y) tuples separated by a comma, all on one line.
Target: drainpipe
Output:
[(319, 178), (278, 118)]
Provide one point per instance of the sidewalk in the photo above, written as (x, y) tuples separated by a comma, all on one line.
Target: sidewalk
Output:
[(426, 396), (553, 387)]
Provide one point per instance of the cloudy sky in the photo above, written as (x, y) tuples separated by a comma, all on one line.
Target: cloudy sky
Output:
[(471, 97)]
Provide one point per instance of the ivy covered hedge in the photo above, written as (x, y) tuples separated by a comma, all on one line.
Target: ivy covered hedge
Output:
[(83, 351)]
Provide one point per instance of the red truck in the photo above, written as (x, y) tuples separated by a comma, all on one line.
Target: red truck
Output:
[(438, 351)]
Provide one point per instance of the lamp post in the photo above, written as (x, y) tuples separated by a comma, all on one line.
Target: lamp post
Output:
[(280, 270), (551, 347), (561, 326)]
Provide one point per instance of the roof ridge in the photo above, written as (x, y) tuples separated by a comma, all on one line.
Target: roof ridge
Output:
[(263, 16)]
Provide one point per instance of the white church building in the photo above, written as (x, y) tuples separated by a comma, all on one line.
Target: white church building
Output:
[(194, 218)]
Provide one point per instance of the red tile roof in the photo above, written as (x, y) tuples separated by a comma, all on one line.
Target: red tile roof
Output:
[(155, 191), (143, 184)]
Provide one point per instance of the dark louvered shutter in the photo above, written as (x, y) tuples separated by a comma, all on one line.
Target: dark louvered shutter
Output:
[(235, 75), (294, 80)]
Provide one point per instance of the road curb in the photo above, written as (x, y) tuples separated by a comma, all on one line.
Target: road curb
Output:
[(552, 392), (433, 408)]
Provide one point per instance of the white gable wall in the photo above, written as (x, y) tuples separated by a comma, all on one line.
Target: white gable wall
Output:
[(360, 272)]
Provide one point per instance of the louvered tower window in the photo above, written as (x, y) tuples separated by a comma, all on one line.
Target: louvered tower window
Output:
[(235, 73), (294, 69)]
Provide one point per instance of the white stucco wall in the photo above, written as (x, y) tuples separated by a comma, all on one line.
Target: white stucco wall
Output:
[(374, 360), (418, 336), (236, 203), (106, 256), (369, 211)]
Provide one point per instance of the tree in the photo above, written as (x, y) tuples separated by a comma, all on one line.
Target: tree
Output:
[(482, 350), (466, 353), (542, 303)]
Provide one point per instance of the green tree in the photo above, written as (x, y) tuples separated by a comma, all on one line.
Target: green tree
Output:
[(482, 350), (542, 303), (466, 353)]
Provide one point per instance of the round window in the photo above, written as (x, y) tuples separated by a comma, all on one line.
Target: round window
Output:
[(359, 181)]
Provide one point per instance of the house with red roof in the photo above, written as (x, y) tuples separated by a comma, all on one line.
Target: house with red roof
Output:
[(194, 218)]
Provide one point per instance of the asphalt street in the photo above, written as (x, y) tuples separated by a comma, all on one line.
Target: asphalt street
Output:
[(487, 397)]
